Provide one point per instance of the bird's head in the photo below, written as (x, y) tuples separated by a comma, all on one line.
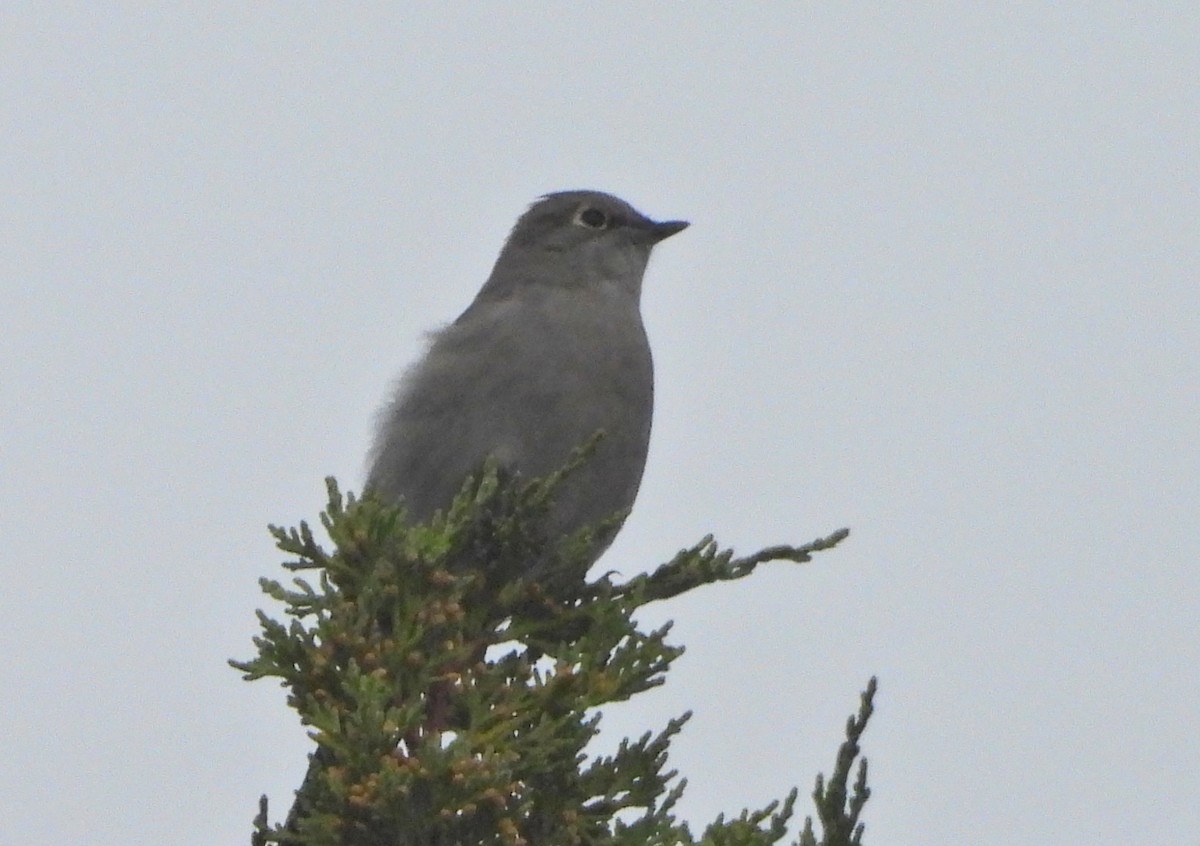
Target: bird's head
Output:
[(577, 239)]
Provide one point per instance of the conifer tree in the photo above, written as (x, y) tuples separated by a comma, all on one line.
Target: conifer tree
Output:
[(452, 696)]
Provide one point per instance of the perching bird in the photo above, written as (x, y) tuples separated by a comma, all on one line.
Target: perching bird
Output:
[(551, 350)]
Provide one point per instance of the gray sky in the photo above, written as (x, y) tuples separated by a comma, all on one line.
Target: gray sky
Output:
[(940, 287)]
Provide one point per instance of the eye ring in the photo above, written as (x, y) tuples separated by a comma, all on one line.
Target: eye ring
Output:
[(591, 218)]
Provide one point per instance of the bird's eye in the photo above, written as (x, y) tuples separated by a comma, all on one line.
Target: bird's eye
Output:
[(592, 218)]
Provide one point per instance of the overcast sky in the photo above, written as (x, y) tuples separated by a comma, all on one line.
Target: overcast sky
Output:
[(940, 287)]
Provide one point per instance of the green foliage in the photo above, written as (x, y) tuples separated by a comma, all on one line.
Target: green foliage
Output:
[(837, 808), (452, 694)]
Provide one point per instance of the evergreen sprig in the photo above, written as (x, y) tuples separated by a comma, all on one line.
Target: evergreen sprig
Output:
[(452, 683), (838, 808)]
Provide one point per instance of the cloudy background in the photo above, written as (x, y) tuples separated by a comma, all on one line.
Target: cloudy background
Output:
[(940, 287)]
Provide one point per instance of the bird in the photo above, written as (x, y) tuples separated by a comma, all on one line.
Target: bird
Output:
[(551, 351)]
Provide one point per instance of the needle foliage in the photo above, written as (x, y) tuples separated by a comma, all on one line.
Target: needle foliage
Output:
[(452, 694)]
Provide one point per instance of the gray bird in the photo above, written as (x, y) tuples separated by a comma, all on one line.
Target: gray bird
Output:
[(551, 350)]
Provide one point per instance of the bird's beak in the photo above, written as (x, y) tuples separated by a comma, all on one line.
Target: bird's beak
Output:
[(661, 230)]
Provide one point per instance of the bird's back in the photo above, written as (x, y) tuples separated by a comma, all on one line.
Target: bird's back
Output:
[(560, 365)]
